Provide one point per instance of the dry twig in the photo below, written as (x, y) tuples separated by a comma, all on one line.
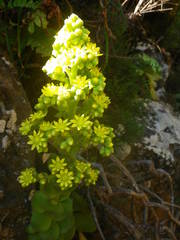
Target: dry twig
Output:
[(140, 194), (95, 216), (118, 216), (148, 6)]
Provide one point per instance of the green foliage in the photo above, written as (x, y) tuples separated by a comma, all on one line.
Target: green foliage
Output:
[(132, 80), (23, 25), (38, 19), (41, 41), (51, 219), (23, 4), (83, 219), (64, 125), (150, 71), (56, 216)]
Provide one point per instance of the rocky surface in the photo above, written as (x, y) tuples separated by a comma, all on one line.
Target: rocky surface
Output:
[(162, 127), (164, 131), (14, 153)]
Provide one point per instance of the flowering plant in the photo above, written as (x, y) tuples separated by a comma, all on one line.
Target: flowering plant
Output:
[(64, 125)]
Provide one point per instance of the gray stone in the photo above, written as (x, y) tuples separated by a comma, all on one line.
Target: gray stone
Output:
[(15, 155), (2, 125), (165, 130)]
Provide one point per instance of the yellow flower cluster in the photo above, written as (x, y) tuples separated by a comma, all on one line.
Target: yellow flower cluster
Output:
[(65, 179), (77, 99), (57, 165), (101, 102), (81, 122), (61, 125), (85, 172), (103, 137), (25, 127), (92, 176), (27, 177), (37, 140), (67, 110), (69, 176)]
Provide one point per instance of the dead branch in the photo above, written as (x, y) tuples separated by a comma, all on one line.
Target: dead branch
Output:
[(123, 4), (134, 184), (148, 6), (140, 194), (159, 198), (170, 233), (137, 8), (105, 17), (103, 175), (125, 171), (166, 209), (95, 215), (119, 217)]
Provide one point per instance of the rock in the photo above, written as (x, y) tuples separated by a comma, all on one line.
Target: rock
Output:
[(12, 94), (123, 151), (11, 124), (164, 126), (5, 142), (2, 125), (1, 193), (15, 155)]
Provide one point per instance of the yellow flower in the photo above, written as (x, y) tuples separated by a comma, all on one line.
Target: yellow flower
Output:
[(25, 127), (65, 179), (37, 116), (61, 125), (92, 176), (101, 101), (46, 126), (42, 178), (101, 133), (38, 141), (81, 122), (81, 83), (81, 168), (50, 90), (27, 177), (57, 165)]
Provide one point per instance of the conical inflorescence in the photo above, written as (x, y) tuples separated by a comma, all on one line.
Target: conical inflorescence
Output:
[(66, 119)]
